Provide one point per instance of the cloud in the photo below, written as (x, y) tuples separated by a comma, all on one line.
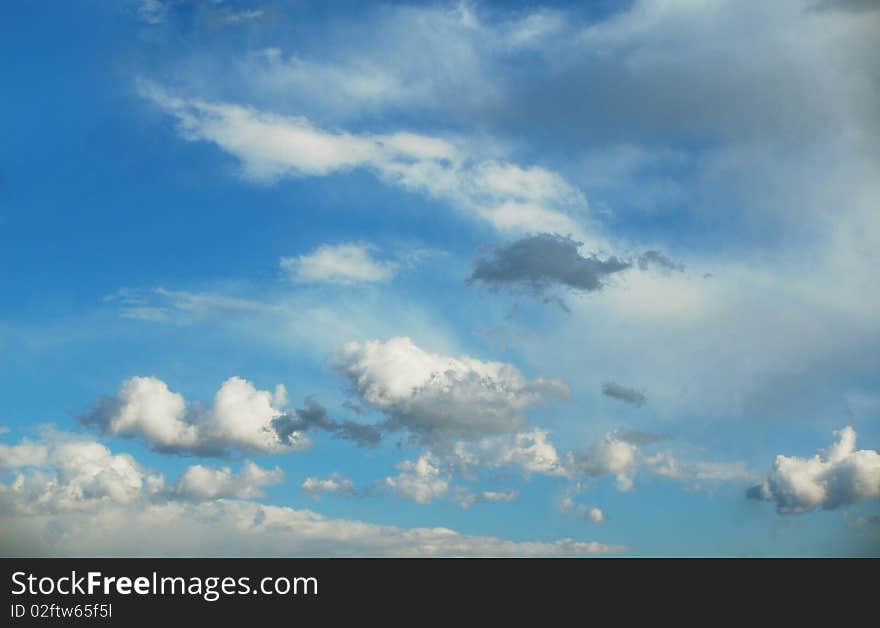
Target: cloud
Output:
[(837, 476), (199, 483), (465, 498), (24, 454), (335, 483), (668, 466), (594, 514), (639, 438), (531, 452), (313, 416), (437, 397), (152, 11), (63, 473), (609, 456), (80, 499), (656, 259), (244, 528), (540, 262), (622, 393), (422, 481), (342, 263), (271, 147), (241, 419)]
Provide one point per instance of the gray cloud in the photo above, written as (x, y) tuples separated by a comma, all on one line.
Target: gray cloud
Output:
[(656, 259), (542, 261), (313, 416), (622, 393), (637, 437)]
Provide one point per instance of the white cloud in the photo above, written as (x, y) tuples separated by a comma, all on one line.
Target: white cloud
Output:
[(66, 474), (437, 397), (531, 452), (83, 500), (668, 466), (243, 528), (594, 514), (24, 454), (200, 483), (609, 456), (835, 477), (269, 146), (335, 483), (422, 481), (341, 263), (241, 418)]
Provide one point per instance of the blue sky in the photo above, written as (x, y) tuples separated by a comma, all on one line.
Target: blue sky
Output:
[(536, 279)]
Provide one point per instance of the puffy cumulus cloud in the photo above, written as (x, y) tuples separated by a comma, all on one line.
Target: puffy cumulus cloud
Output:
[(70, 474), (422, 481), (335, 483), (244, 528), (438, 397), (201, 483), (531, 452), (271, 146), (341, 263), (624, 393), (837, 476), (594, 514), (608, 456), (241, 418), (25, 454), (540, 262)]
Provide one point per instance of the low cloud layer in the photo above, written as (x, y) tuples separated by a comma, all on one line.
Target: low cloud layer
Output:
[(623, 393), (436, 397), (837, 476), (540, 262), (71, 497), (241, 418)]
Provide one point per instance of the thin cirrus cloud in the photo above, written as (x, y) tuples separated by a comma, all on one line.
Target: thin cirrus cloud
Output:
[(241, 419), (837, 476), (271, 146), (347, 263)]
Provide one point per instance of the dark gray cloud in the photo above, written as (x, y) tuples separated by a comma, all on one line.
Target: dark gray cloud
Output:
[(637, 437), (622, 393), (314, 416), (656, 259), (542, 261)]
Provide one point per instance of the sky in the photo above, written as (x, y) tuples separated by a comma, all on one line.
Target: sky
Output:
[(433, 279)]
